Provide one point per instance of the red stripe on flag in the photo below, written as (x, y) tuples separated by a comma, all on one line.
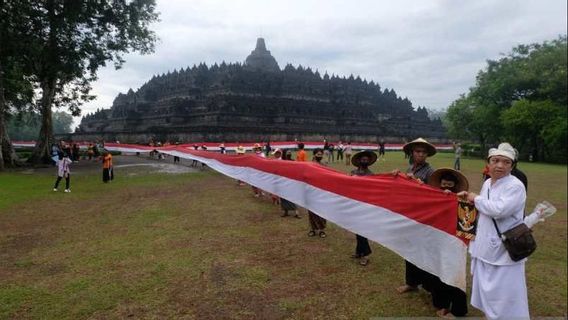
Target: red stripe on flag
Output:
[(419, 202)]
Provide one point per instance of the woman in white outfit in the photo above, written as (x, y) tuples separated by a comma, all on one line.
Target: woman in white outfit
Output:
[(499, 287)]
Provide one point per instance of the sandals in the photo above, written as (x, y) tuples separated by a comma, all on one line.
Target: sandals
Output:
[(311, 233)]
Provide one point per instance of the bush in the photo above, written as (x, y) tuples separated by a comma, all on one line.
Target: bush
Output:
[(472, 150)]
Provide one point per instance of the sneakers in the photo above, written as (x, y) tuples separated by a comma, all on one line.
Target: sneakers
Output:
[(55, 189), (67, 190)]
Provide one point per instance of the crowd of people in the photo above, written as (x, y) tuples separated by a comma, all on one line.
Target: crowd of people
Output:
[(64, 154), (499, 287)]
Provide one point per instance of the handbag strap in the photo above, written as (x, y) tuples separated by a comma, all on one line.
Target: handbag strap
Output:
[(494, 222), (497, 228)]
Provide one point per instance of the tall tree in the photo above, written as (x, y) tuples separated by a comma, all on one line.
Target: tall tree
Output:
[(16, 90), (521, 98), (26, 125), (67, 41)]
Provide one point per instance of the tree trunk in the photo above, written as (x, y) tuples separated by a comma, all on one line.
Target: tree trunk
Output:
[(42, 150), (7, 153)]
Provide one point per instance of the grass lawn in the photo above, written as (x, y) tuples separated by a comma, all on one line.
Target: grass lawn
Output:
[(197, 246)]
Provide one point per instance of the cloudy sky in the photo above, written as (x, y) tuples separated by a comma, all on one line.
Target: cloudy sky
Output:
[(428, 51)]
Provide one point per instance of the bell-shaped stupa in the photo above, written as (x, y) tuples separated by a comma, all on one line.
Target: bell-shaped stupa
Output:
[(261, 59)]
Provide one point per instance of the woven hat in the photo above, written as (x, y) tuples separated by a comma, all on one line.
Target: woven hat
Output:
[(462, 184), (357, 157), (504, 149), (429, 147), (277, 150)]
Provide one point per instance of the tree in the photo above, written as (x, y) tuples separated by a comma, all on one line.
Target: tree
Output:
[(16, 90), (537, 128), (26, 125), (68, 41), (520, 98)]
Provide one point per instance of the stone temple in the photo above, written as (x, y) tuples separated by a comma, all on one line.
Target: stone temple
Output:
[(258, 101)]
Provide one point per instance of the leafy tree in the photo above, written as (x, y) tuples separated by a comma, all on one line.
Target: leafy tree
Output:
[(26, 125), (16, 90), (66, 42), (538, 128), (521, 98)]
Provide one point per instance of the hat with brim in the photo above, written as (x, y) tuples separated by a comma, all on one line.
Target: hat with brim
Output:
[(277, 151), (462, 184), (430, 149), (504, 149), (355, 160), (256, 146)]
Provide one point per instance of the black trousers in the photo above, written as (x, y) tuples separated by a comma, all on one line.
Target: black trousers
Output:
[(415, 276), (108, 174), (363, 248), (445, 296), (67, 182)]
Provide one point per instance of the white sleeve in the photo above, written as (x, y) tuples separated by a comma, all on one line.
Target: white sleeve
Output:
[(532, 219), (510, 201)]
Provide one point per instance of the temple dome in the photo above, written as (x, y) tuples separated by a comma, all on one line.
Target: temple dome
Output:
[(261, 59)]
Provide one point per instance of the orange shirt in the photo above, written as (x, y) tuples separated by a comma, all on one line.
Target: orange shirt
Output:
[(107, 161), (301, 156)]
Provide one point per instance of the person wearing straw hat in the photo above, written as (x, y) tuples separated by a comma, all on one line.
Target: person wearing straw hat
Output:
[(499, 286), (257, 149), (449, 180), (277, 154), (240, 150), (419, 150), (317, 223), (286, 205), (449, 301), (363, 160)]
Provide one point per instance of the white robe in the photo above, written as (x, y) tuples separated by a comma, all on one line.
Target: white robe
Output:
[(499, 286)]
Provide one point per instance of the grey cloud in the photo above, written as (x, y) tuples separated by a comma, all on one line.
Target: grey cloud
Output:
[(429, 51)]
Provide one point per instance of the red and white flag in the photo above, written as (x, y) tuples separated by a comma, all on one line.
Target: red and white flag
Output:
[(416, 221)]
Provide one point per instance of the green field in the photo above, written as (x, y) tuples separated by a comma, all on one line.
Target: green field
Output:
[(197, 246)]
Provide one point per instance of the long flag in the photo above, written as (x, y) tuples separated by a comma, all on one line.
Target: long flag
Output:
[(415, 221)]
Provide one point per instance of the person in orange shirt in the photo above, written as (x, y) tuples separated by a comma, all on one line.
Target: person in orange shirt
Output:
[(107, 167), (301, 156)]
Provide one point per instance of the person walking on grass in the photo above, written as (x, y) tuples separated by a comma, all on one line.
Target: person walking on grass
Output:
[(348, 151), (317, 223), (340, 150), (108, 174), (63, 171), (382, 151), (458, 153), (362, 161)]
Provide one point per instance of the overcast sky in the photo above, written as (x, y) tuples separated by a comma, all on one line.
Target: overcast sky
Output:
[(428, 51)]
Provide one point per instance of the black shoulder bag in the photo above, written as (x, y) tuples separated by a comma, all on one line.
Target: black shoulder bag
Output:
[(518, 240)]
